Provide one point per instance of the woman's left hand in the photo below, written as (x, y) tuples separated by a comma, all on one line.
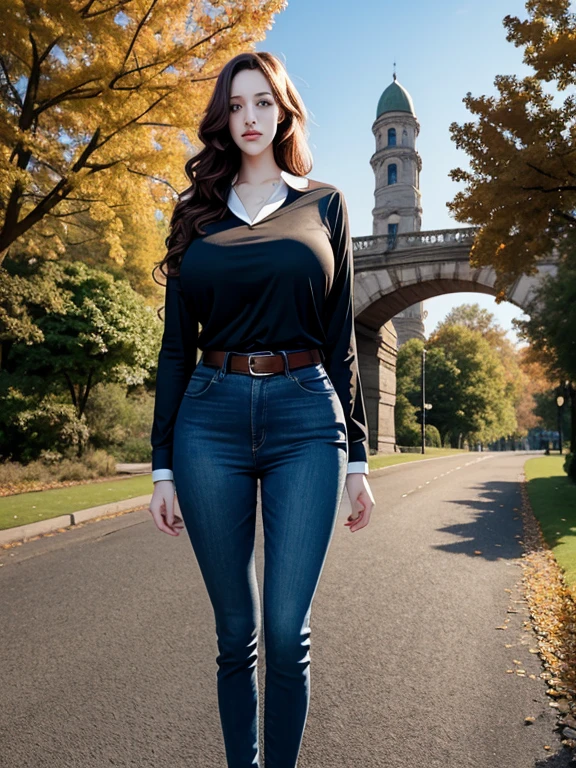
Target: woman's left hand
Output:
[(361, 499)]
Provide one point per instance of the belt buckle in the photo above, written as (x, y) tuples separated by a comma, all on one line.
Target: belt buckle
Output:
[(259, 373)]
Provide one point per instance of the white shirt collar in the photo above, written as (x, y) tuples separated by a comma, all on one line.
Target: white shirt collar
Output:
[(275, 200)]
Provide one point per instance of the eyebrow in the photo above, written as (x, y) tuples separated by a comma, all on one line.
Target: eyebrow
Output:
[(262, 93)]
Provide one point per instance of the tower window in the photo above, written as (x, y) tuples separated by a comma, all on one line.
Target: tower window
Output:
[(392, 232), (392, 173), (391, 137)]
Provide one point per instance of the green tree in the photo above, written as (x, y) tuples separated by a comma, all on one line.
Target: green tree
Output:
[(99, 329), (468, 387), (406, 427), (551, 324), (551, 328), (482, 321), (440, 379)]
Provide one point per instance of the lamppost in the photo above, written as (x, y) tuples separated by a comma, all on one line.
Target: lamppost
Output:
[(570, 394), (425, 406), (423, 397), (560, 403)]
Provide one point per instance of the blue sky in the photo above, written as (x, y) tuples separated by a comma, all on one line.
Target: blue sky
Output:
[(340, 56)]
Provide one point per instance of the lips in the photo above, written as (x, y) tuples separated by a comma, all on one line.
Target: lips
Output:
[(252, 133)]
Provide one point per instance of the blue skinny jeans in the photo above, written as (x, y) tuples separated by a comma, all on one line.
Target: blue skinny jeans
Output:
[(288, 430)]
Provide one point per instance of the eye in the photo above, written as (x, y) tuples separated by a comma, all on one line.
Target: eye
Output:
[(262, 101)]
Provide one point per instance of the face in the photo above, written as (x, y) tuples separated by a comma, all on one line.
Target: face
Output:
[(252, 108)]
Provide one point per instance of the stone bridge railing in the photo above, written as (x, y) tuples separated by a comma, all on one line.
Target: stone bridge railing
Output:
[(408, 240)]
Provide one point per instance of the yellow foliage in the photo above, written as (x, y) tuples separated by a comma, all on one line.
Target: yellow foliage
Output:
[(520, 188), (98, 113)]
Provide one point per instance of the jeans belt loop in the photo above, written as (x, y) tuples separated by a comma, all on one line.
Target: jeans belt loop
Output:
[(286, 364), (224, 367)]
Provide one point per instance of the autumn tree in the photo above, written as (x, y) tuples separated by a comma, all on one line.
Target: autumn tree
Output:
[(99, 102), (521, 186)]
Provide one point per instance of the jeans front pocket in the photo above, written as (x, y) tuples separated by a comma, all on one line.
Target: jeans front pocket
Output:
[(202, 378), (313, 379)]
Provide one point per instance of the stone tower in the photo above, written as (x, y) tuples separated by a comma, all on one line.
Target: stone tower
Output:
[(397, 165)]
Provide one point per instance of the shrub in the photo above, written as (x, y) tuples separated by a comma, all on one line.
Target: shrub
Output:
[(136, 449), (409, 435), (570, 466), (54, 468), (99, 462), (121, 422), (48, 426), (73, 470), (432, 436)]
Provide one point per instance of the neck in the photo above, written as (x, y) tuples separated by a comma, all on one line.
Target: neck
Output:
[(258, 170)]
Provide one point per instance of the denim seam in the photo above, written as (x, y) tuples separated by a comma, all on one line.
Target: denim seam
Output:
[(264, 411), (206, 388), (330, 391), (252, 419)]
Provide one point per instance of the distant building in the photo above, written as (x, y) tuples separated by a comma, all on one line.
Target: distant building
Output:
[(397, 165)]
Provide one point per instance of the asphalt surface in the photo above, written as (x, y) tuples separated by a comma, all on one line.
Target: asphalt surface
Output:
[(109, 649)]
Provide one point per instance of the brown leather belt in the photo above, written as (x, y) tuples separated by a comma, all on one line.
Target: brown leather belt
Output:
[(261, 363)]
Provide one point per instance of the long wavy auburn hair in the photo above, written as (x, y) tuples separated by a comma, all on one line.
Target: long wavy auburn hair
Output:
[(212, 169)]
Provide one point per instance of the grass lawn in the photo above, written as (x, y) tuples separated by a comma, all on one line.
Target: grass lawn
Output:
[(386, 460), (553, 499), (30, 507), (23, 508)]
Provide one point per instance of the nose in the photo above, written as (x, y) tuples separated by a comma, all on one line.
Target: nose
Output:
[(250, 118)]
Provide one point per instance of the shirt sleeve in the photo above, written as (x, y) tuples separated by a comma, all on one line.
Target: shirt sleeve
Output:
[(176, 362), (341, 357)]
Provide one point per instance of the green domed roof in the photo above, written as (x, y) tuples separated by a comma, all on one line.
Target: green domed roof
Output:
[(395, 99)]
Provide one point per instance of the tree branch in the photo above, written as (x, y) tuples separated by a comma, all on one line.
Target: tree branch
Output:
[(154, 178)]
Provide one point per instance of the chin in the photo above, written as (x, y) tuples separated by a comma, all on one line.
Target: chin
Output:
[(251, 149)]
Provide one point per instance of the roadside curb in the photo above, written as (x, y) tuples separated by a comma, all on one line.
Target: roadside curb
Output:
[(28, 531)]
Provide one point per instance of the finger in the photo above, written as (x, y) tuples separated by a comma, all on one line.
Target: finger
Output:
[(365, 519), (351, 520), (161, 525), (159, 513), (173, 520), (169, 506)]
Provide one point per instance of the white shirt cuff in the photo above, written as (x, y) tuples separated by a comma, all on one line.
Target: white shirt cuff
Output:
[(353, 466), (357, 466), (162, 474)]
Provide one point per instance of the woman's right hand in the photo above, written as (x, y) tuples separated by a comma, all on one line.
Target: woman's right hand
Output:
[(164, 506)]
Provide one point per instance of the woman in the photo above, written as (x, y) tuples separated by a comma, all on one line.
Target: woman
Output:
[(261, 257)]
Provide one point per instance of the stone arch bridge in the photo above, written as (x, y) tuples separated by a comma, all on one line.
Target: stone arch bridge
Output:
[(393, 274)]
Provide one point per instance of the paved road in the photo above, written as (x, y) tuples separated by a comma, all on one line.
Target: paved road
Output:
[(108, 645)]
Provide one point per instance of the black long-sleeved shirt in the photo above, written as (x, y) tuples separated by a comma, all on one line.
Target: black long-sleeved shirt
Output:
[(283, 281)]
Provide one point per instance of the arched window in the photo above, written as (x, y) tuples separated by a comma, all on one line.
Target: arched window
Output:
[(391, 137), (392, 232), (392, 173)]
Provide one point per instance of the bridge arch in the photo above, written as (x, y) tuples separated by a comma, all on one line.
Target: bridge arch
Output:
[(392, 276)]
